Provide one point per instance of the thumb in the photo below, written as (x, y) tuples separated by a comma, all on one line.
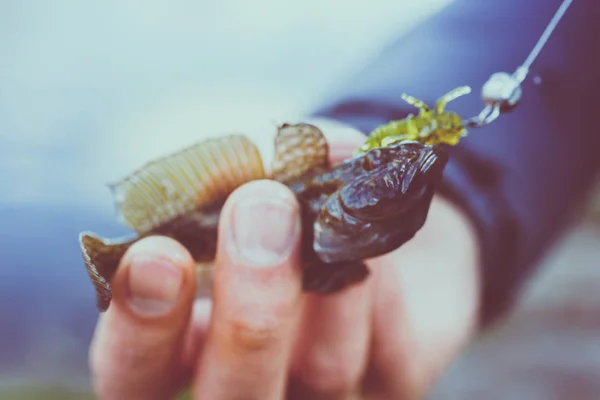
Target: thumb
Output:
[(256, 295)]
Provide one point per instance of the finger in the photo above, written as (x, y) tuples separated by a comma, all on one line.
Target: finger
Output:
[(331, 351), (256, 296), (196, 332), (136, 349)]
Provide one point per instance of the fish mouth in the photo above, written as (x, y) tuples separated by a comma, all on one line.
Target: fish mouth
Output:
[(434, 161), (427, 169)]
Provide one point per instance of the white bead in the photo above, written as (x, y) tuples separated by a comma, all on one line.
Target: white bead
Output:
[(503, 89)]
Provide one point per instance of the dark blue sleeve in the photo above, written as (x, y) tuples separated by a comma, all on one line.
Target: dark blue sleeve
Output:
[(522, 177)]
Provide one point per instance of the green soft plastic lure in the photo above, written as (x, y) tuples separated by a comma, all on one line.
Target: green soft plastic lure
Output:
[(430, 126)]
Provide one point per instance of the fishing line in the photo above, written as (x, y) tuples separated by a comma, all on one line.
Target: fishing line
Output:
[(502, 91)]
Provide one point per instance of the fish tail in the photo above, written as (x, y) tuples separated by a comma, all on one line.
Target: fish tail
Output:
[(102, 257)]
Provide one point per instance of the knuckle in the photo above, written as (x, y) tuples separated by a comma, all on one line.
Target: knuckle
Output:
[(255, 334)]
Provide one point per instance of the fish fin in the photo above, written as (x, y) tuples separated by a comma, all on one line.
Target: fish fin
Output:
[(299, 149), (186, 180), (102, 257), (325, 278)]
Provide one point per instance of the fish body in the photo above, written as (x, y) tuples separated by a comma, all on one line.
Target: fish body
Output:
[(363, 207)]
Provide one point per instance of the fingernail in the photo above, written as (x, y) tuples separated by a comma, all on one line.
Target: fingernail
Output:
[(264, 229), (154, 284)]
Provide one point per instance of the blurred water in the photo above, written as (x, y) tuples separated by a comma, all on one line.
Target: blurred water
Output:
[(90, 90)]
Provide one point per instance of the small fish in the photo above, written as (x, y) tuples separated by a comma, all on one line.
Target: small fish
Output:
[(363, 207)]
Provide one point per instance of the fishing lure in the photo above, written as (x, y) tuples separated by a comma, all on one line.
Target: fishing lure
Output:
[(363, 207), (501, 93)]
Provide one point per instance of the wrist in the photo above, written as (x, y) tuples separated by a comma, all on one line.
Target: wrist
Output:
[(455, 234)]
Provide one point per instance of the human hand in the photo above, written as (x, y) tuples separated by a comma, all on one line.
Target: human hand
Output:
[(262, 338)]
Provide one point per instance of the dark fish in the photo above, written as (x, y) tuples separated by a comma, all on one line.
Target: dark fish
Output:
[(363, 207)]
